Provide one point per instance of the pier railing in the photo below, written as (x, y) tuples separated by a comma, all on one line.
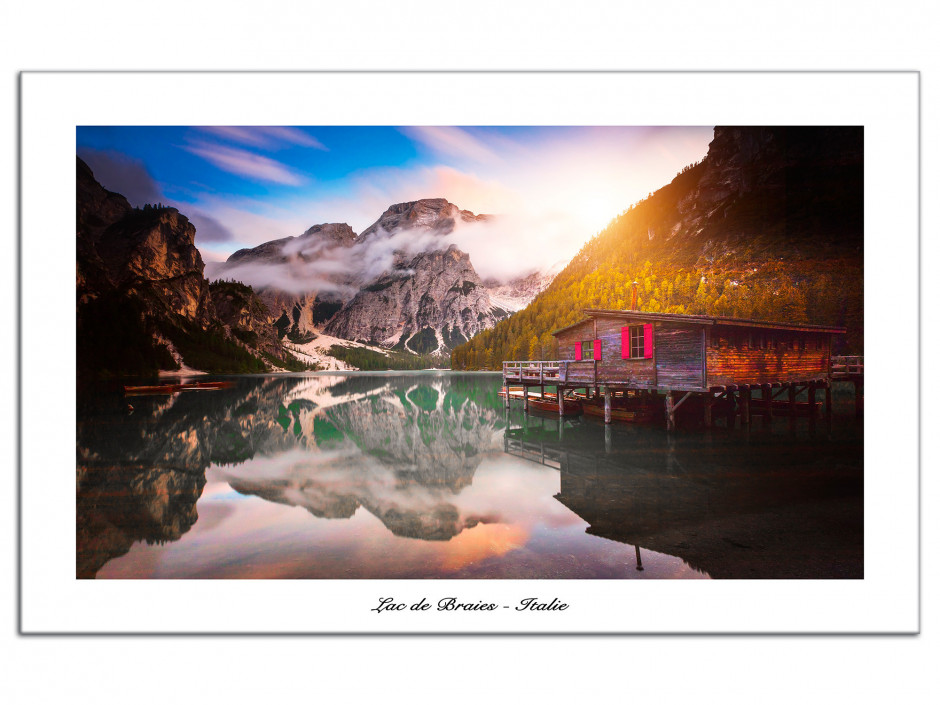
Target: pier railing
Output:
[(541, 371), (846, 365)]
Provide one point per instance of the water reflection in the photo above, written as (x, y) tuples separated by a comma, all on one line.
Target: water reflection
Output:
[(729, 504), (426, 475)]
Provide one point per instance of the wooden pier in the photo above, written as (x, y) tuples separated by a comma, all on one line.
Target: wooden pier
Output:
[(624, 361)]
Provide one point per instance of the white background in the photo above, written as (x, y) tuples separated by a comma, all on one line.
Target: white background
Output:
[(488, 35), (53, 601)]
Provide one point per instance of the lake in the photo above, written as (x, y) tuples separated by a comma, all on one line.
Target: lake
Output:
[(428, 475)]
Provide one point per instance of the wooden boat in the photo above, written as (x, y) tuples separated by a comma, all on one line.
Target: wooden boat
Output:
[(142, 390), (207, 385), (782, 407), (151, 389), (630, 414), (547, 404)]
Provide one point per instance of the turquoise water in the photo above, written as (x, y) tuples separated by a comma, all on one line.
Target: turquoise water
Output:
[(428, 475)]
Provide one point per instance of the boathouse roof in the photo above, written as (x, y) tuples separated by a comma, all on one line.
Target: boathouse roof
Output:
[(592, 313)]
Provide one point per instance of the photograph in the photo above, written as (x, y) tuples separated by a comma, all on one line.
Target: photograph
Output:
[(470, 352)]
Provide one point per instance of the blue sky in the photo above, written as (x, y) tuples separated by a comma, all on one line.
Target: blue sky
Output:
[(554, 186)]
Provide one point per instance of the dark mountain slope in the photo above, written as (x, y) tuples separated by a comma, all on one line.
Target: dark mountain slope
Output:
[(769, 225), (142, 302)]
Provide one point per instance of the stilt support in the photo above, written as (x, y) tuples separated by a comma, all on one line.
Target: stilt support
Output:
[(670, 413), (791, 391), (812, 407), (607, 403)]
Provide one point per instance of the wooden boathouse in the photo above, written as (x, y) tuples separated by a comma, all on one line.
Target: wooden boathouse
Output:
[(671, 358)]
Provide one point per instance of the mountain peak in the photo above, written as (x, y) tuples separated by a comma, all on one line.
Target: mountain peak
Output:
[(316, 237), (339, 233), (435, 214)]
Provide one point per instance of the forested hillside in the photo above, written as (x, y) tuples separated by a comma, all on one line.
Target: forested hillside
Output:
[(768, 226)]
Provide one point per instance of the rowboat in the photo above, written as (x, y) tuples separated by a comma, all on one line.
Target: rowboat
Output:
[(141, 390), (631, 414), (547, 404), (206, 385), (151, 389)]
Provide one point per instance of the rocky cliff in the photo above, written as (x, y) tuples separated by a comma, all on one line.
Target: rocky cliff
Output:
[(400, 283), (432, 303), (142, 301)]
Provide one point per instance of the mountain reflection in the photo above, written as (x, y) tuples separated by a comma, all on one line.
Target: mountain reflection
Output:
[(761, 507), (399, 446)]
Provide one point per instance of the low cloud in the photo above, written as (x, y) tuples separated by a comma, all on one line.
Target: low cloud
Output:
[(313, 264)]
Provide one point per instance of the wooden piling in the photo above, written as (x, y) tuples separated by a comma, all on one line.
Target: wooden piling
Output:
[(709, 403), (791, 407), (829, 405), (670, 413), (745, 396), (525, 398), (607, 404), (812, 407), (767, 395), (561, 402)]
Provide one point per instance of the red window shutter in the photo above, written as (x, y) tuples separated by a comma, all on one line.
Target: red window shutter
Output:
[(625, 343), (648, 340), (597, 349), (577, 351)]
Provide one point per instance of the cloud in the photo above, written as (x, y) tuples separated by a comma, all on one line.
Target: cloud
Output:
[(245, 163), (120, 173), (313, 264), (298, 278), (453, 142), (208, 229), (266, 137), (551, 193)]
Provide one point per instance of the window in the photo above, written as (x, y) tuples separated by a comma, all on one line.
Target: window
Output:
[(587, 349), (637, 341)]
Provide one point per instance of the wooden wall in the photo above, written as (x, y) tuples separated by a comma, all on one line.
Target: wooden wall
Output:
[(736, 357), (732, 354), (679, 352), (566, 340), (613, 368)]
